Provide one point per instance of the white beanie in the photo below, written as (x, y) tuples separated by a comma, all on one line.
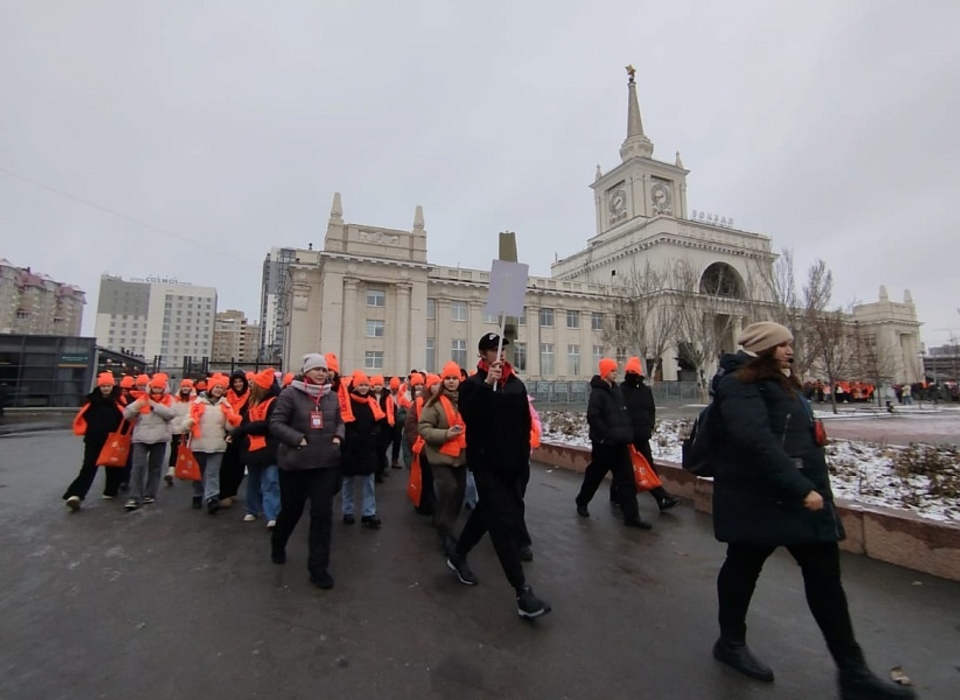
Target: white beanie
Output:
[(761, 336), (312, 361)]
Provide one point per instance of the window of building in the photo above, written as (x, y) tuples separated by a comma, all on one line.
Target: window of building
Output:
[(573, 319), (373, 359), (376, 297), (546, 360), (596, 321), (546, 318), (619, 322), (573, 360), (522, 321), (375, 328), (458, 351), (431, 309), (431, 355), (458, 311), (491, 318), (621, 356), (597, 354), (520, 356)]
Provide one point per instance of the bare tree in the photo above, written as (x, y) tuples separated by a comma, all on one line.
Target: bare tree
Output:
[(827, 332), (640, 323)]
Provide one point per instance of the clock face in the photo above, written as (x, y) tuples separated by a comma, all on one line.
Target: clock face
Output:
[(618, 202), (660, 194)]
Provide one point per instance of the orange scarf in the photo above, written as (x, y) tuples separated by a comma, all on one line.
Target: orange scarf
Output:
[(506, 369), (259, 413), (346, 411), (378, 413), (390, 409), (167, 400), (198, 409), (237, 400), (455, 445)]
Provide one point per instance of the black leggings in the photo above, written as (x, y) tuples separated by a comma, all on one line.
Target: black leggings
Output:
[(820, 565)]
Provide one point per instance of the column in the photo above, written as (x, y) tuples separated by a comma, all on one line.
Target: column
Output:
[(533, 340), (403, 335), (474, 324), (348, 346)]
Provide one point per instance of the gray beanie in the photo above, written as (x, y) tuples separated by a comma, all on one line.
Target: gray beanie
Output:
[(312, 361), (761, 336)]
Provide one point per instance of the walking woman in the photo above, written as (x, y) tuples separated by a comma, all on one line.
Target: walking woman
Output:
[(211, 416), (258, 449), (231, 469), (100, 416), (772, 489), (361, 452), (309, 426), (445, 447), (151, 415), (181, 405)]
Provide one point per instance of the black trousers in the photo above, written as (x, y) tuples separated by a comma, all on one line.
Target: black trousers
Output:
[(88, 472), (383, 444), (820, 566), (231, 472), (615, 459), (428, 497), (396, 440), (523, 478), (320, 486), (174, 444), (659, 493), (499, 511)]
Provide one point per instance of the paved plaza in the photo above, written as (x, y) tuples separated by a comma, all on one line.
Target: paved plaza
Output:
[(168, 602)]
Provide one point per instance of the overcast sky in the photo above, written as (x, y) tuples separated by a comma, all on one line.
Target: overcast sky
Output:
[(227, 126)]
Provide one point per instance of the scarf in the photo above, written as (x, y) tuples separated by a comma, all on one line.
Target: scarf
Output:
[(455, 445), (378, 413), (256, 414), (199, 407), (237, 400), (506, 368), (166, 400), (314, 391)]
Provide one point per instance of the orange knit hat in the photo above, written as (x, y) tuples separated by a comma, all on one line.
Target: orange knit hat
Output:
[(265, 379), (143, 380), (288, 379), (218, 379), (359, 377), (376, 379), (394, 383), (416, 379), (201, 385), (106, 379), (159, 381), (332, 363), (432, 380), (127, 382), (451, 369), (186, 384), (633, 366), (250, 376), (607, 366)]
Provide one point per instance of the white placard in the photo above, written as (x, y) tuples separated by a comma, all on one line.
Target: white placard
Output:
[(508, 288)]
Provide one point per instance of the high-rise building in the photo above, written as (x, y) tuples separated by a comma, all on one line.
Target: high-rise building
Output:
[(34, 304), (234, 338), (273, 282), (169, 319)]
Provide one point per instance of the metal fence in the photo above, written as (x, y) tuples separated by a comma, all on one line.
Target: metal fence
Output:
[(574, 393)]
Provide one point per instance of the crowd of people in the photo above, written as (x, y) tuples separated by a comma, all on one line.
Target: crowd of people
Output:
[(470, 437)]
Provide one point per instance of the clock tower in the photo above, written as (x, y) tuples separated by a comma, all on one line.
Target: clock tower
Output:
[(640, 187)]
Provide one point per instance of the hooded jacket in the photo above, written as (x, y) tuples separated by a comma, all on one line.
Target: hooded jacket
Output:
[(238, 401), (638, 398), (607, 415), (498, 423), (768, 462), (290, 423)]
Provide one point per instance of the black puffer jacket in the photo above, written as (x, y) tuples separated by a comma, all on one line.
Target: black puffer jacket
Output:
[(638, 399), (103, 415), (266, 456), (498, 423), (607, 415), (362, 440), (768, 462), (290, 423)]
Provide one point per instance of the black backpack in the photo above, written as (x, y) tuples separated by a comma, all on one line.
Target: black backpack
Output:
[(699, 448)]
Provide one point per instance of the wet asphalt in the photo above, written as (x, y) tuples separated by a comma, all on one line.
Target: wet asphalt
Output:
[(168, 602)]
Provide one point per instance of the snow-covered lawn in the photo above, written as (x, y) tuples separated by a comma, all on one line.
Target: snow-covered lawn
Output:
[(922, 479)]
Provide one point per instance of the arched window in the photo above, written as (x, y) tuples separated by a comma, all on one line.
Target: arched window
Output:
[(720, 279)]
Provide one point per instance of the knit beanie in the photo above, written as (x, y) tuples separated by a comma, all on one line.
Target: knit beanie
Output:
[(158, 381), (359, 377), (376, 379), (201, 385), (633, 365), (127, 382), (314, 360), (394, 383), (288, 379), (332, 363), (764, 335), (186, 384), (432, 380), (264, 379), (416, 379), (221, 380), (106, 379), (607, 366), (143, 380), (451, 369)]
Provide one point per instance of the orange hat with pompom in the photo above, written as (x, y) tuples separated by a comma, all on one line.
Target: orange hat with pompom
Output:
[(106, 379), (127, 382), (451, 369), (159, 381), (416, 379), (633, 366), (432, 380), (143, 379), (218, 379), (265, 379)]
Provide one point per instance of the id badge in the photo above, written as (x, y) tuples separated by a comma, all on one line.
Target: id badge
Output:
[(316, 420)]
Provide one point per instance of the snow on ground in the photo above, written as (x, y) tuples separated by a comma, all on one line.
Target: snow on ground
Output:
[(922, 479)]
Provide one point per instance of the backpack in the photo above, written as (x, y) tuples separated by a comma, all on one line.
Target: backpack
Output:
[(698, 448)]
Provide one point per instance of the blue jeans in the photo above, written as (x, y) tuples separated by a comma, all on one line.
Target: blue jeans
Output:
[(471, 492), (209, 486), (369, 495), (263, 491)]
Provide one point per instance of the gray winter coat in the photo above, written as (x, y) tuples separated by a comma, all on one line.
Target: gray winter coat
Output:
[(290, 423)]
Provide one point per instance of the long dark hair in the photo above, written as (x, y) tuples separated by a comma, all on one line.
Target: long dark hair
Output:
[(766, 367)]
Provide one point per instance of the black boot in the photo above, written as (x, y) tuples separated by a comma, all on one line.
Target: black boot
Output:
[(738, 655), (861, 684), (448, 544)]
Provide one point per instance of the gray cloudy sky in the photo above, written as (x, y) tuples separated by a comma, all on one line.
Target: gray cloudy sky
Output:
[(830, 125)]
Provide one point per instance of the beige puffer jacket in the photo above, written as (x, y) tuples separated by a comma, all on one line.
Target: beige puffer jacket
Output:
[(213, 426), (153, 427), (433, 427), (182, 409)]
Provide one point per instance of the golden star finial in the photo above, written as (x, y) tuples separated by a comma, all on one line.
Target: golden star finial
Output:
[(631, 71)]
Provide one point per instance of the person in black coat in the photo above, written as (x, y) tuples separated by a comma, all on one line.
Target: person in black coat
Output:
[(771, 489), (101, 415), (361, 453), (496, 412), (611, 432), (638, 398)]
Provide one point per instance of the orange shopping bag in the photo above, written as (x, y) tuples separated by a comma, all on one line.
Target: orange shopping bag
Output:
[(643, 474), (187, 467), (116, 449)]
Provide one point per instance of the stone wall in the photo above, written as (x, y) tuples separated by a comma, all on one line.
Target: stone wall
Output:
[(893, 536)]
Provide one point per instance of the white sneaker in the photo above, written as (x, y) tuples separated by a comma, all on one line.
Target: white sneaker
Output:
[(248, 518), (271, 524), (168, 477), (73, 503)]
